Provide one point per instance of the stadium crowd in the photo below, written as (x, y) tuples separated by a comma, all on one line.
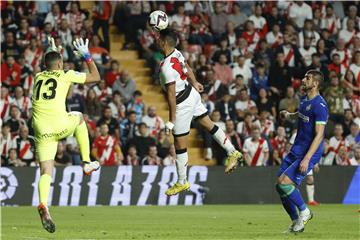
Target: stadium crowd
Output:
[(250, 57)]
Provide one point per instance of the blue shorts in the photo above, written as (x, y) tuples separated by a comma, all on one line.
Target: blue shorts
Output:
[(290, 167)]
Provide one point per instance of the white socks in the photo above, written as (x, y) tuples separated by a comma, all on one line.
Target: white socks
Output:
[(310, 189), (305, 212), (222, 139), (181, 166)]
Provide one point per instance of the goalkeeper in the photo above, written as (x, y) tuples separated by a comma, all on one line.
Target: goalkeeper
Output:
[(52, 123)]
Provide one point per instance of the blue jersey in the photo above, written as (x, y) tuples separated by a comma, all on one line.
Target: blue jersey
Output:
[(310, 112)]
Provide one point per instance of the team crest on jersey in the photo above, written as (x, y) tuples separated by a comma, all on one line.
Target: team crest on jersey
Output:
[(308, 107)]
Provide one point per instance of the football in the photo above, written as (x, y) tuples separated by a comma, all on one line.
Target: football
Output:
[(158, 20)]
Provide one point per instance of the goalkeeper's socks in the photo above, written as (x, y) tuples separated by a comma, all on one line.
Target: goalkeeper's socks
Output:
[(310, 189), (82, 137), (181, 165), (44, 188), (220, 137), (288, 205)]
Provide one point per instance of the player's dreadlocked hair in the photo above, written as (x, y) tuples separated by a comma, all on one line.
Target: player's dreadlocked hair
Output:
[(170, 36), (317, 76), (51, 58)]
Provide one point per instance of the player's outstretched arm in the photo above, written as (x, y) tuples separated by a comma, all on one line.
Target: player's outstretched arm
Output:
[(287, 115), (82, 50), (192, 79)]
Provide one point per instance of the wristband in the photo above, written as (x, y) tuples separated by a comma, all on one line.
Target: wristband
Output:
[(169, 125), (87, 57)]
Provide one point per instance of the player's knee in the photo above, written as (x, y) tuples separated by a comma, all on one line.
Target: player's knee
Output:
[(310, 180), (46, 168)]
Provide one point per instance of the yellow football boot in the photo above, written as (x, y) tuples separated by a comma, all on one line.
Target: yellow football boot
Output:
[(177, 188), (232, 161)]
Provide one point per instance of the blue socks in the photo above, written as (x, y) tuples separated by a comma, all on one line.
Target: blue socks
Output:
[(288, 205)]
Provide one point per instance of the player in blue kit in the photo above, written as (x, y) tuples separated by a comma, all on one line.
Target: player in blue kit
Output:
[(312, 117)]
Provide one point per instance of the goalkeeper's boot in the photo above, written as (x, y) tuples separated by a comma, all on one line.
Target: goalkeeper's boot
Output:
[(313, 203), (232, 161), (90, 167), (298, 226), (45, 217), (306, 216), (178, 188)]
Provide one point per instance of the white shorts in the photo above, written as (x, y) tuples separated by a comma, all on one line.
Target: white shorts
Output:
[(190, 108)]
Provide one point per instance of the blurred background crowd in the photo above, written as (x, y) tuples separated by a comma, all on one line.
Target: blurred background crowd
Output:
[(250, 57)]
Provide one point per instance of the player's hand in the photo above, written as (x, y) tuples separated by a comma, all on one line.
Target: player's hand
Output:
[(168, 127), (284, 114), (52, 45), (304, 164), (199, 87), (316, 168), (82, 48)]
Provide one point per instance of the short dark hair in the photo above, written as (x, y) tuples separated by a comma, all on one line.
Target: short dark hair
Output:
[(317, 76), (169, 35), (51, 58)]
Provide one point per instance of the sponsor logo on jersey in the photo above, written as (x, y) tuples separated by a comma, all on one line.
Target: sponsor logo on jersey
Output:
[(303, 117), (308, 107)]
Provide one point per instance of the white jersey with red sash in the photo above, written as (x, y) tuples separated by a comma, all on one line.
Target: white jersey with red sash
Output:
[(102, 94), (289, 55), (25, 148), (252, 40), (256, 151), (105, 146), (267, 127), (274, 40), (332, 24), (356, 71), (24, 103), (5, 104), (260, 25), (345, 56), (34, 57), (29, 84), (348, 36), (336, 144), (279, 144), (243, 129), (5, 145), (155, 124)]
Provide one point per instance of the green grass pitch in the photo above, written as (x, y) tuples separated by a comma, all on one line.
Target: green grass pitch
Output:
[(179, 222)]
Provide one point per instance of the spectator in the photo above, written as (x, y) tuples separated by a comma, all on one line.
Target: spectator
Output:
[(208, 104), (233, 135), (230, 34), (132, 158), (267, 127), (357, 154), (344, 54), (62, 158), (5, 102), (143, 141), (75, 18), (291, 102), (336, 65), (244, 127), (55, 16), (213, 86), (348, 33), (102, 92), (182, 21), (151, 158), (25, 146), (128, 127), (27, 75), (208, 141), (113, 74), (355, 69), (10, 48), (223, 71), (337, 141), (23, 34), (256, 149), (118, 109), (72, 148), (222, 50), (291, 52), (218, 20), (352, 14), (102, 14), (354, 133), (163, 144), (110, 121), (263, 55), (238, 18), (171, 157), (74, 102), (265, 104), (259, 21), (306, 52), (244, 103), (259, 81), (237, 85), (342, 158), (15, 121), (243, 70), (106, 149), (316, 64), (278, 143), (334, 96), (126, 86), (199, 28), (93, 106), (226, 107), (13, 160), (330, 21), (64, 33), (5, 141), (279, 76), (308, 32), (351, 101), (22, 102), (274, 18), (275, 37), (154, 122), (10, 72), (299, 12), (99, 54), (347, 121), (323, 52), (137, 105), (251, 36)]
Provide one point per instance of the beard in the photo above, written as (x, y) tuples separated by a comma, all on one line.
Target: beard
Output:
[(305, 88)]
